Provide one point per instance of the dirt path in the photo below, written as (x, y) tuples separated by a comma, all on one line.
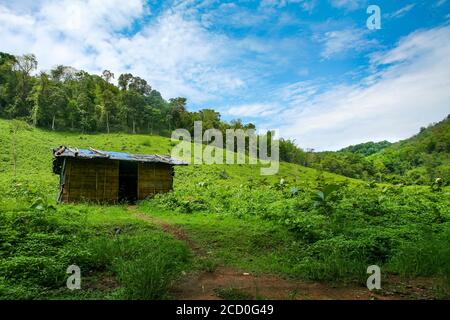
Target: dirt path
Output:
[(229, 283), (175, 231)]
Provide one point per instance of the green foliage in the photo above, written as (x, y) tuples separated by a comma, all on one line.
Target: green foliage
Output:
[(39, 240), (145, 264), (301, 223), (418, 160), (208, 265), (426, 258), (68, 99), (368, 148), (322, 197), (339, 227)]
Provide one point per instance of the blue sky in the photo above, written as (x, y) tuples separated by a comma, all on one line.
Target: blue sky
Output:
[(309, 69)]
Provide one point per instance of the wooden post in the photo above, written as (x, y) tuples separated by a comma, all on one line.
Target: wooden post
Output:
[(69, 165), (96, 185), (138, 180)]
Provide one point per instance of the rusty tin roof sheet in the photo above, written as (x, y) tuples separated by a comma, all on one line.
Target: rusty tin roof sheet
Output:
[(99, 154)]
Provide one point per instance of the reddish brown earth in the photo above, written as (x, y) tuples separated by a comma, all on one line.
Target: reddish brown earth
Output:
[(226, 282), (208, 285)]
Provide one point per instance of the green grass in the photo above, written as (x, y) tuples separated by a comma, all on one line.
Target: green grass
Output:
[(37, 248), (289, 224), (249, 244)]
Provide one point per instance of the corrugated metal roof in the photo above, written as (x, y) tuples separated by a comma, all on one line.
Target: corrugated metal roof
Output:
[(99, 154)]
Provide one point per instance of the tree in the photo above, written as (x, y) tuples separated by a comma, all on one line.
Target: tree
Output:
[(8, 83), (24, 65), (58, 102), (290, 152), (66, 98), (178, 113), (124, 81), (39, 98), (133, 103), (106, 102), (152, 115), (107, 75), (62, 73)]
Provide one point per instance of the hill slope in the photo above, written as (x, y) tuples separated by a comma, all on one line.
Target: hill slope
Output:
[(33, 152), (301, 223), (420, 159)]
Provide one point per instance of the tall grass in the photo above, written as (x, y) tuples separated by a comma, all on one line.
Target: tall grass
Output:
[(426, 258), (145, 265)]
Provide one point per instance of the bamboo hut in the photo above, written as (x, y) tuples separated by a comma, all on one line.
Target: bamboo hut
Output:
[(111, 177)]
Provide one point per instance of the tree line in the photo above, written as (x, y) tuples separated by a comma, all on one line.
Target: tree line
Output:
[(64, 98)]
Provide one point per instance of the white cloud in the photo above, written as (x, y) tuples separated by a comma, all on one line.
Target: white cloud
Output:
[(298, 93), (340, 41), (252, 110), (348, 4), (400, 12), (306, 5), (180, 56), (177, 55), (410, 89)]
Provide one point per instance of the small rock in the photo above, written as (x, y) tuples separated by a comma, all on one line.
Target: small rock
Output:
[(246, 274)]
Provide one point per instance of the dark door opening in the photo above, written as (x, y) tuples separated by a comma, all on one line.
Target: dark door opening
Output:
[(128, 180)]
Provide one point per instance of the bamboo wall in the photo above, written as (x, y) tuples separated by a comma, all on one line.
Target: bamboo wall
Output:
[(94, 180), (154, 178), (97, 180)]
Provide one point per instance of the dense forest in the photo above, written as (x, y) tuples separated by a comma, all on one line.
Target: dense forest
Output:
[(66, 99)]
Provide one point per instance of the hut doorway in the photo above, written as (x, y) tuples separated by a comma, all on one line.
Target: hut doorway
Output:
[(128, 181)]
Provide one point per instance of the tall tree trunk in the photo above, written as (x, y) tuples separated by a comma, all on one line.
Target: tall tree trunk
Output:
[(53, 123), (134, 126)]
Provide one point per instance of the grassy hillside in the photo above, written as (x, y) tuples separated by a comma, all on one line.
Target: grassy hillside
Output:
[(419, 160), (301, 224), (34, 150)]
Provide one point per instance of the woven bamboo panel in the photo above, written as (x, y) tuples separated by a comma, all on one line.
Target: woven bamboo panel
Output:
[(154, 178), (95, 180)]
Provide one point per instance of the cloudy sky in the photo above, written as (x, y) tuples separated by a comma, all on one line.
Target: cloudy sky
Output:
[(309, 69)]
